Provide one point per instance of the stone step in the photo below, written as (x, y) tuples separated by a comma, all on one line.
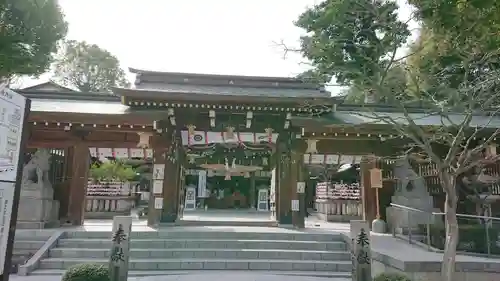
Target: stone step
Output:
[(34, 234), (212, 264), (23, 252), (206, 244), (206, 254), (143, 273), (262, 223), (28, 244), (196, 233)]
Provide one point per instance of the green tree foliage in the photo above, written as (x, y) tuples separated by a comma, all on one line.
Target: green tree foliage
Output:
[(89, 68), (393, 87), (353, 41), (112, 171), (455, 34), (29, 32), (472, 23)]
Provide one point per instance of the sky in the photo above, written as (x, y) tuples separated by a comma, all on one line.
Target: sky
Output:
[(197, 36)]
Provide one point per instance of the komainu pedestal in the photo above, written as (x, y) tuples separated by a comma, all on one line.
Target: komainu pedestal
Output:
[(37, 207)]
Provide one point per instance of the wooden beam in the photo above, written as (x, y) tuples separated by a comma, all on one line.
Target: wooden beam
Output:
[(51, 127), (69, 143)]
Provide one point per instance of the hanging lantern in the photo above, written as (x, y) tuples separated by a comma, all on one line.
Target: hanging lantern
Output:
[(191, 129), (247, 175), (144, 139), (229, 133), (311, 146), (228, 176), (265, 161), (269, 132)]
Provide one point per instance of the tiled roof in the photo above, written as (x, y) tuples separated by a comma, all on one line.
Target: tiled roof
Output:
[(78, 106), (421, 119), (234, 91)]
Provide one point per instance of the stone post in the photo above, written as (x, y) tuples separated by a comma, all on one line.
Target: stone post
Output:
[(361, 251), (120, 249)]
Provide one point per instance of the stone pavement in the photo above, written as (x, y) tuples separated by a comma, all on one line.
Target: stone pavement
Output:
[(196, 276)]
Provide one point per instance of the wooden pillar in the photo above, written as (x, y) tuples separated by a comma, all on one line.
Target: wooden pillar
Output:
[(80, 162), (180, 180), (173, 180), (285, 180), (368, 198), (297, 176), (64, 191), (274, 181), (294, 179), (158, 159), (165, 153), (252, 203)]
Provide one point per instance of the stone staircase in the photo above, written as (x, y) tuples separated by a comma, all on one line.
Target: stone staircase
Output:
[(27, 243), (184, 248)]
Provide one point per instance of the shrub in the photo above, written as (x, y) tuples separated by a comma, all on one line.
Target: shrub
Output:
[(87, 272), (472, 238), (392, 277)]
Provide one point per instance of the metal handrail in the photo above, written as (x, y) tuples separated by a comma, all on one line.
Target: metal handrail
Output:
[(408, 208), (471, 216), (428, 225), (442, 214)]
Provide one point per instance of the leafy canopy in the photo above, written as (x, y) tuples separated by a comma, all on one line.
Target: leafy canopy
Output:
[(351, 40), (455, 33), (112, 170), (29, 32), (89, 68)]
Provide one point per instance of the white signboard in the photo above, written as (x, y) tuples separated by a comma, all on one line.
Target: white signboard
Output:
[(301, 187), (295, 205), (158, 203), (158, 186), (12, 109), (158, 171), (11, 126), (202, 184), (190, 202), (262, 202), (6, 199)]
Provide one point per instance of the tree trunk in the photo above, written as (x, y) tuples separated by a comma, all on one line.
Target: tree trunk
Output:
[(451, 222)]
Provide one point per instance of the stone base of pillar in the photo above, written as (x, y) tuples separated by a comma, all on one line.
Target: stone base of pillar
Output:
[(168, 218), (285, 219)]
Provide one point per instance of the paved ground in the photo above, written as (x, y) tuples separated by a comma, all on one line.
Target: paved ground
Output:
[(193, 276)]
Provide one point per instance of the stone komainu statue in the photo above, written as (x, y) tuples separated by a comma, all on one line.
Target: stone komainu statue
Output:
[(36, 171)]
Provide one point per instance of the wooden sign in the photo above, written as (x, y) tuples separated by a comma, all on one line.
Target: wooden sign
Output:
[(376, 178)]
